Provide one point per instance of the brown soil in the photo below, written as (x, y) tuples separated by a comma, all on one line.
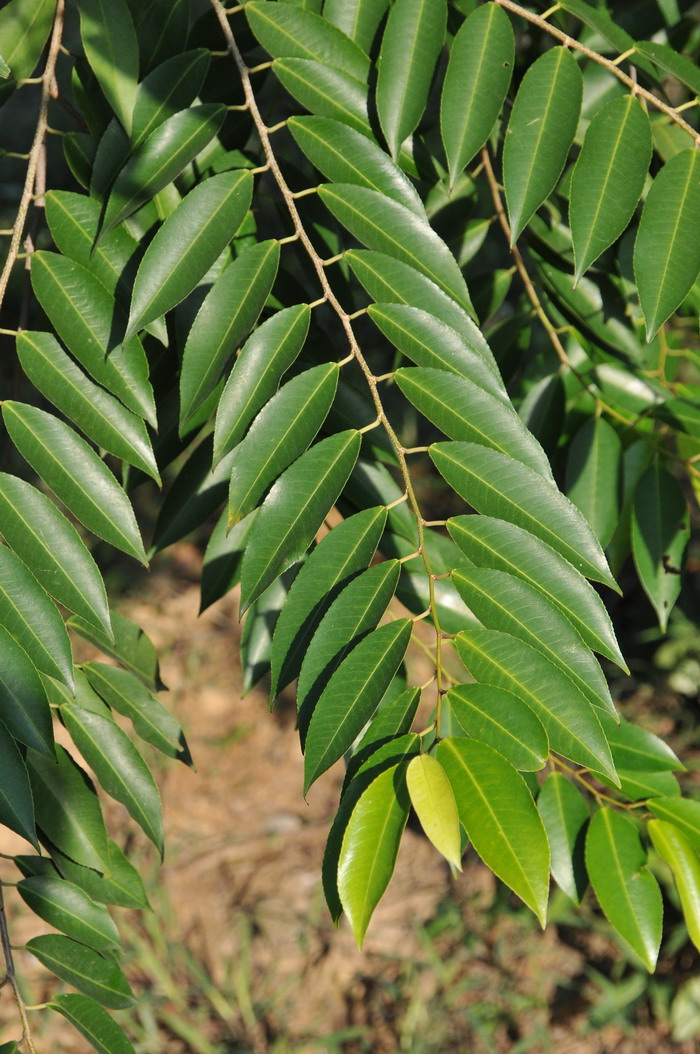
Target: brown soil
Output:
[(240, 892)]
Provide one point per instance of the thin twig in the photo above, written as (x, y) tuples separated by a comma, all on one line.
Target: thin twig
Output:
[(11, 978)]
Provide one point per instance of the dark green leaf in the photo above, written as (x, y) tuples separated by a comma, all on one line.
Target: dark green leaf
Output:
[(500, 818), (221, 568), (667, 251), (67, 908), (76, 475), (23, 705), (162, 27), (358, 18), (385, 225), (393, 720), (347, 549), (594, 476), (660, 532), (121, 884), (634, 748), (281, 432), (227, 314), (413, 38), (326, 90), (24, 29), (608, 178), (565, 814), (352, 695), (502, 721), (260, 620), (84, 969), (16, 803), (287, 31), (294, 510), (682, 67), (109, 39), (476, 82), (197, 492), (130, 646), (626, 890), (104, 1034), (498, 486), (540, 131), (169, 88)]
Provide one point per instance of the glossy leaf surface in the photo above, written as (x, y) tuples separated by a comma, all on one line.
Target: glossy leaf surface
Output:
[(565, 815), (69, 909), (16, 803), (287, 31), (84, 969), (502, 721), (433, 799), (680, 854), (660, 530), (100, 1030), (594, 476), (109, 39)]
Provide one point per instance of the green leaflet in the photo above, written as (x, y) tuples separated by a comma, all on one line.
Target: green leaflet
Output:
[(355, 612), (287, 31), (23, 705), (490, 542), (504, 602), (67, 908), (100, 1030), (344, 155), (27, 613), (112, 152), (430, 342), (346, 550), (16, 804), (540, 131), (352, 695), (163, 27), (75, 474), (67, 808), (166, 90), (667, 251), (393, 720), (502, 721), (684, 813), (187, 244), (370, 847), (594, 476), (262, 361), (359, 19), (153, 722), (228, 313), (79, 151), (326, 91), (123, 887), (573, 728), (565, 814), (640, 786), (660, 532), (500, 818), (118, 766), (464, 411), (385, 225), (666, 58), (294, 510), (413, 38), (86, 319), (499, 486), (433, 799), (608, 178), (160, 159), (681, 855), (634, 748), (476, 82), (626, 890), (129, 645), (24, 29), (100, 416), (84, 969), (109, 39), (221, 568), (281, 432)]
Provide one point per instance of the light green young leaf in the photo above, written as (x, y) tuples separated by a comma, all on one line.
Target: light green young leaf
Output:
[(118, 766), (565, 814), (84, 969), (413, 38), (287, 31), (540, 131), (262, 361), (626, 890), (667, 251), (187, 244), (99, 1029), (433, 799), (370, 847), (572, 725), (67, 908), (500, 818), (476, 82), (294, 510), (660, 532), (100, 416), (109, 39), (502, 721), (352, 695), (490, 542), (16, 803), (608, 178), (281, 432), (345, 551), (498, 486), (75, 474), (594, 476), (681, 855), (129, 645), (385, 225)]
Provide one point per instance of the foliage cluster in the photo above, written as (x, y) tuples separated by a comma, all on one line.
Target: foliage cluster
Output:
[(279, 263)]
